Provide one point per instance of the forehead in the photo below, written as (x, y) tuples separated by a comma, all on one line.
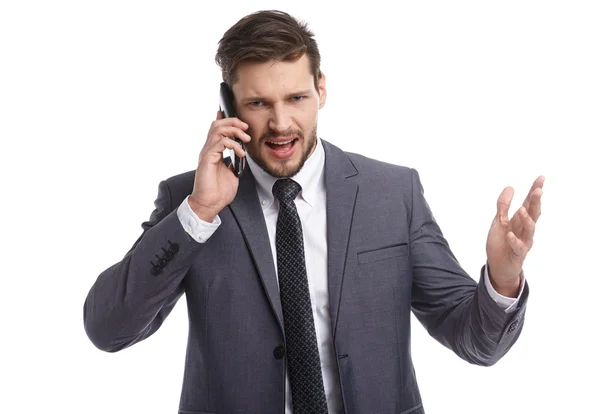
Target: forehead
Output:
[(273, 77)]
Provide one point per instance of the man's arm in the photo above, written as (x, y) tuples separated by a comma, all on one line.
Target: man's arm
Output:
[(131, 299), (456, 310)]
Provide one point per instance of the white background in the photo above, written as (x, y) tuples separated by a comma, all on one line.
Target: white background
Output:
[(99, 101)]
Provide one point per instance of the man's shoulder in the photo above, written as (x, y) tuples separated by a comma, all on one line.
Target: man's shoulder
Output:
[(182, 179), (367, 166), (180, 186), (375, 176)]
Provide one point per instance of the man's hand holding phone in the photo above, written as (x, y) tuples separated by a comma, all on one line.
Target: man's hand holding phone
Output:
[(215, 183)]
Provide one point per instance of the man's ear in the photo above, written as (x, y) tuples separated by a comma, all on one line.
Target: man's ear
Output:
[(322, 91)]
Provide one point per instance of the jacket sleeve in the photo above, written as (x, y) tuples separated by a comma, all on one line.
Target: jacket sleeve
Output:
[(455, 310), (130, 300)]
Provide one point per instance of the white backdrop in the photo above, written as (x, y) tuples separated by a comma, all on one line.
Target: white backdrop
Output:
[(99, 101)]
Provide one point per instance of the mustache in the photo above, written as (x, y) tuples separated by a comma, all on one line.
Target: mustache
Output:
[(296, 133)]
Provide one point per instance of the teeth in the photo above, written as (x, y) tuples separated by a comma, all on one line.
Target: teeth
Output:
[(281, 143)]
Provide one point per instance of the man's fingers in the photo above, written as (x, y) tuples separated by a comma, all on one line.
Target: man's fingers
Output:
[(236, 122), (221, 122), (225, 143), (516, 222), (238, 150), (518, 247), (538, 183), (218, 132), (535, 205), (504, 204), (213, 153), (231, 131), (232, 145), (214, 124), (528, 231)]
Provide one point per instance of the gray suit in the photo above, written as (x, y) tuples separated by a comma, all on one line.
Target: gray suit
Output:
[(387, 256)]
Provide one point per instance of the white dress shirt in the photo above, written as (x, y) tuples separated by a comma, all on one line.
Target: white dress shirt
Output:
[(311, 206)]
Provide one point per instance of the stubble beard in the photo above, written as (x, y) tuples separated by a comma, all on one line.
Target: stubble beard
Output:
[(286, 168)]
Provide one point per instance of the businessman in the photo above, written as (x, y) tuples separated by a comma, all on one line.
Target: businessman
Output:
[(301, 273)]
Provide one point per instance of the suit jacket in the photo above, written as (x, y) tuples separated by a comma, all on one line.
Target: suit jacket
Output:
[(387, 256)]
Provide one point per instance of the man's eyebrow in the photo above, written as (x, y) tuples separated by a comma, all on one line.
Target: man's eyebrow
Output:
[(253, 99), (262, 98), (299, 93)]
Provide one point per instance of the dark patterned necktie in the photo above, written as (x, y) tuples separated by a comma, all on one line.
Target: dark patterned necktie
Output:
[(304, 364)]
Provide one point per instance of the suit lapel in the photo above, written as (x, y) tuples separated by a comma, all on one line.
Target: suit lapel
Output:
[(248, 213), (341, 197)]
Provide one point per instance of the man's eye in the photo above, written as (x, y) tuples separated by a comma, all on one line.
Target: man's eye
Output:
[(298, 98), (255, 103)]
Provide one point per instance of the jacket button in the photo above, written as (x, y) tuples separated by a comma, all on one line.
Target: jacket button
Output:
[(278, 352), (174, 247)]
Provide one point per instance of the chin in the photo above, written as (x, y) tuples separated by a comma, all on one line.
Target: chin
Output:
[(283, 169)]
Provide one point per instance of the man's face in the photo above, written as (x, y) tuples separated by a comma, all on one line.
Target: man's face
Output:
[(280, 104)]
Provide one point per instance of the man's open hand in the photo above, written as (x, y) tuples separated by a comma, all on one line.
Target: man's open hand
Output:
[(509, 241)]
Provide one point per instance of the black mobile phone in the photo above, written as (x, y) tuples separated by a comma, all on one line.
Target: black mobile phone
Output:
[(226, 106)]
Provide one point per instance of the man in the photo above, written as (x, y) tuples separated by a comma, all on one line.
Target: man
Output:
[(299, 291)]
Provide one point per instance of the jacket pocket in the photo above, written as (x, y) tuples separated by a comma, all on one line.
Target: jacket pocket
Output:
[(383, 254)]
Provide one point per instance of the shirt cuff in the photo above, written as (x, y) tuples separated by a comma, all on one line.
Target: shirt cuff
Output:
[(197, 228), (508, 304)]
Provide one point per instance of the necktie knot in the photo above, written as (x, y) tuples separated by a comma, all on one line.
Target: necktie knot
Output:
[(286, 189)]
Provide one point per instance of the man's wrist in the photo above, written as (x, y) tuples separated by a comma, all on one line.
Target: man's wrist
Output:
[(508, 286), (202, 212), (509, 290)]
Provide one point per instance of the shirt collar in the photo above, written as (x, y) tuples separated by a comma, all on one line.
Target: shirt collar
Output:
[(310, 177)]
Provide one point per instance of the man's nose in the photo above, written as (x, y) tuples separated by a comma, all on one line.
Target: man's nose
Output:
[(281, 120)]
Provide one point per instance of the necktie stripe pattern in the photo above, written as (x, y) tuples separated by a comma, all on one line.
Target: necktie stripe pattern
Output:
[(304, 364)]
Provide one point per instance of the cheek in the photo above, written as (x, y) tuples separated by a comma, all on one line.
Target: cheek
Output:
[(255, 134), (256, 125), (307, 121)]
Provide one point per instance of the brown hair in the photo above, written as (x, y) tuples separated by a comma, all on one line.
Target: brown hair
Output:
[(264, 36)]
